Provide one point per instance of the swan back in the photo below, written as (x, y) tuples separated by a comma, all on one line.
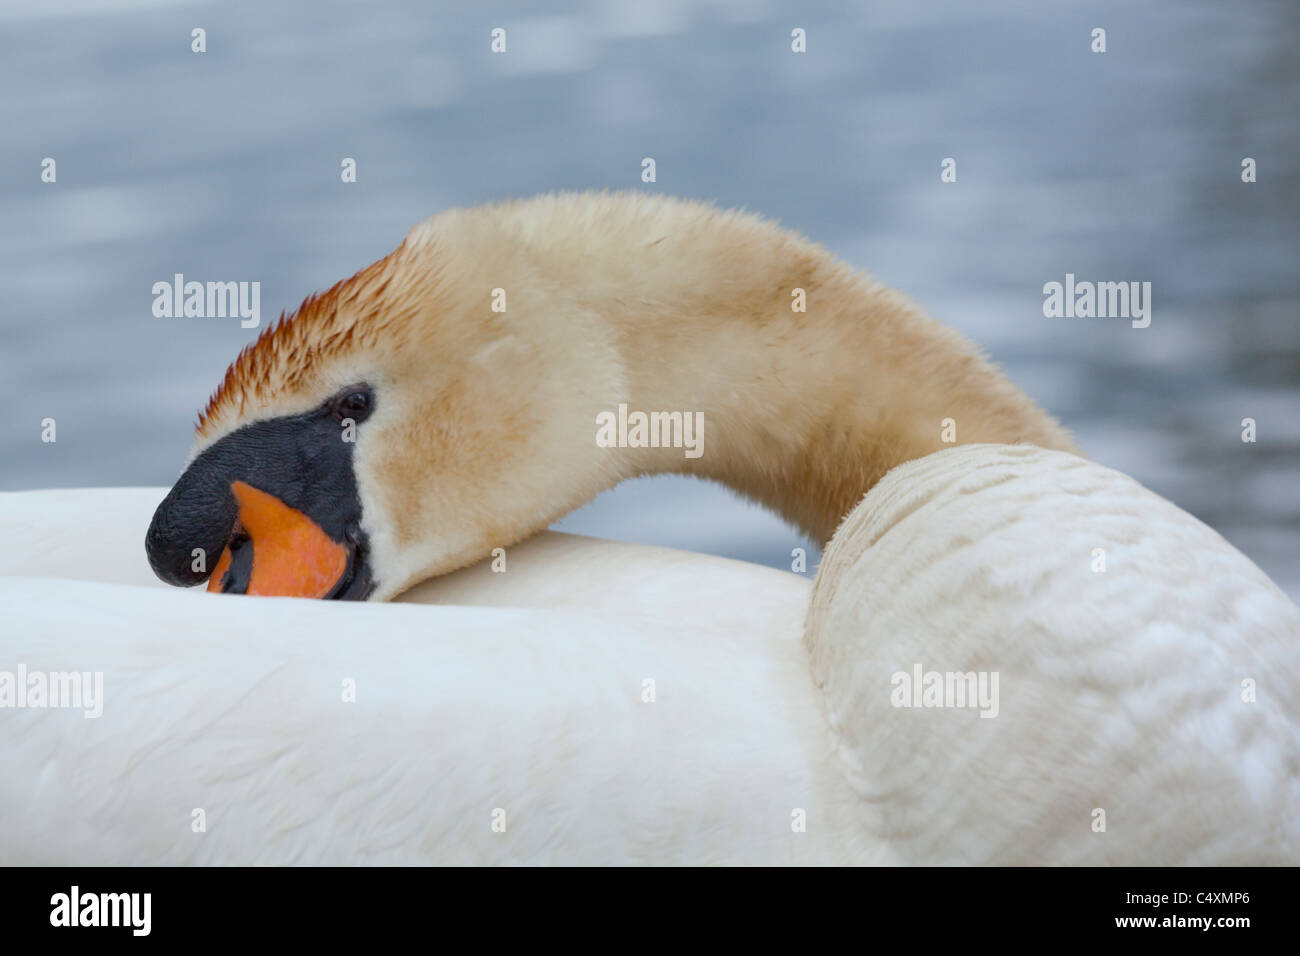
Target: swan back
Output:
[(617, 703), (1125, 635)]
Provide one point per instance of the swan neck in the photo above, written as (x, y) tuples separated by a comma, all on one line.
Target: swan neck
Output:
[(809, 381)]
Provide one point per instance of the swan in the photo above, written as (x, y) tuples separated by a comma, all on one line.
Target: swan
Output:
[(448, 402)]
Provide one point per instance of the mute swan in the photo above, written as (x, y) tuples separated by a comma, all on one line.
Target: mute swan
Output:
[(444, 402)]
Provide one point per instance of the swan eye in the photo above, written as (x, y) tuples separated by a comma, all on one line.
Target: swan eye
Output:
[(356, 403)]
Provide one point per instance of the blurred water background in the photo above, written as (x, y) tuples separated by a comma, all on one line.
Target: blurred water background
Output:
[(1116, 166)]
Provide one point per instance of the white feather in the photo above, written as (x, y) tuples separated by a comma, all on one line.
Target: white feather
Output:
[(234, 705), (1119, 690)]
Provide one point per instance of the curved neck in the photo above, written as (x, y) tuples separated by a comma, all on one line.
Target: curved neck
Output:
[(804, 411)]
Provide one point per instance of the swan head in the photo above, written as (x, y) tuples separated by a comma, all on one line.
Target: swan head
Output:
[(448, 400), (398, 426)]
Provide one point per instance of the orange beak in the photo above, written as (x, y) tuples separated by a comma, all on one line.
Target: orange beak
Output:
[(292, 556)]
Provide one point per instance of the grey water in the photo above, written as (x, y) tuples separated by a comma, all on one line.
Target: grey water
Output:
[(1115, 166)]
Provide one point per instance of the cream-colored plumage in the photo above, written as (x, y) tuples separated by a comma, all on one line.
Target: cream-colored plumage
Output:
[(484, 430), (1121, 690)]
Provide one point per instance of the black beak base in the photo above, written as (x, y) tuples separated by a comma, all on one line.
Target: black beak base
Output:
[(304, 460)]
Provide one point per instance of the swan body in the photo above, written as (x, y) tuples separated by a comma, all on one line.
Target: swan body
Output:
[(1135, 673), (527, 695), (535, 706)]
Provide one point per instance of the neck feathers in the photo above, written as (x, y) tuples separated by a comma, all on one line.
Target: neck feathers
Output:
[(813, 380)]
